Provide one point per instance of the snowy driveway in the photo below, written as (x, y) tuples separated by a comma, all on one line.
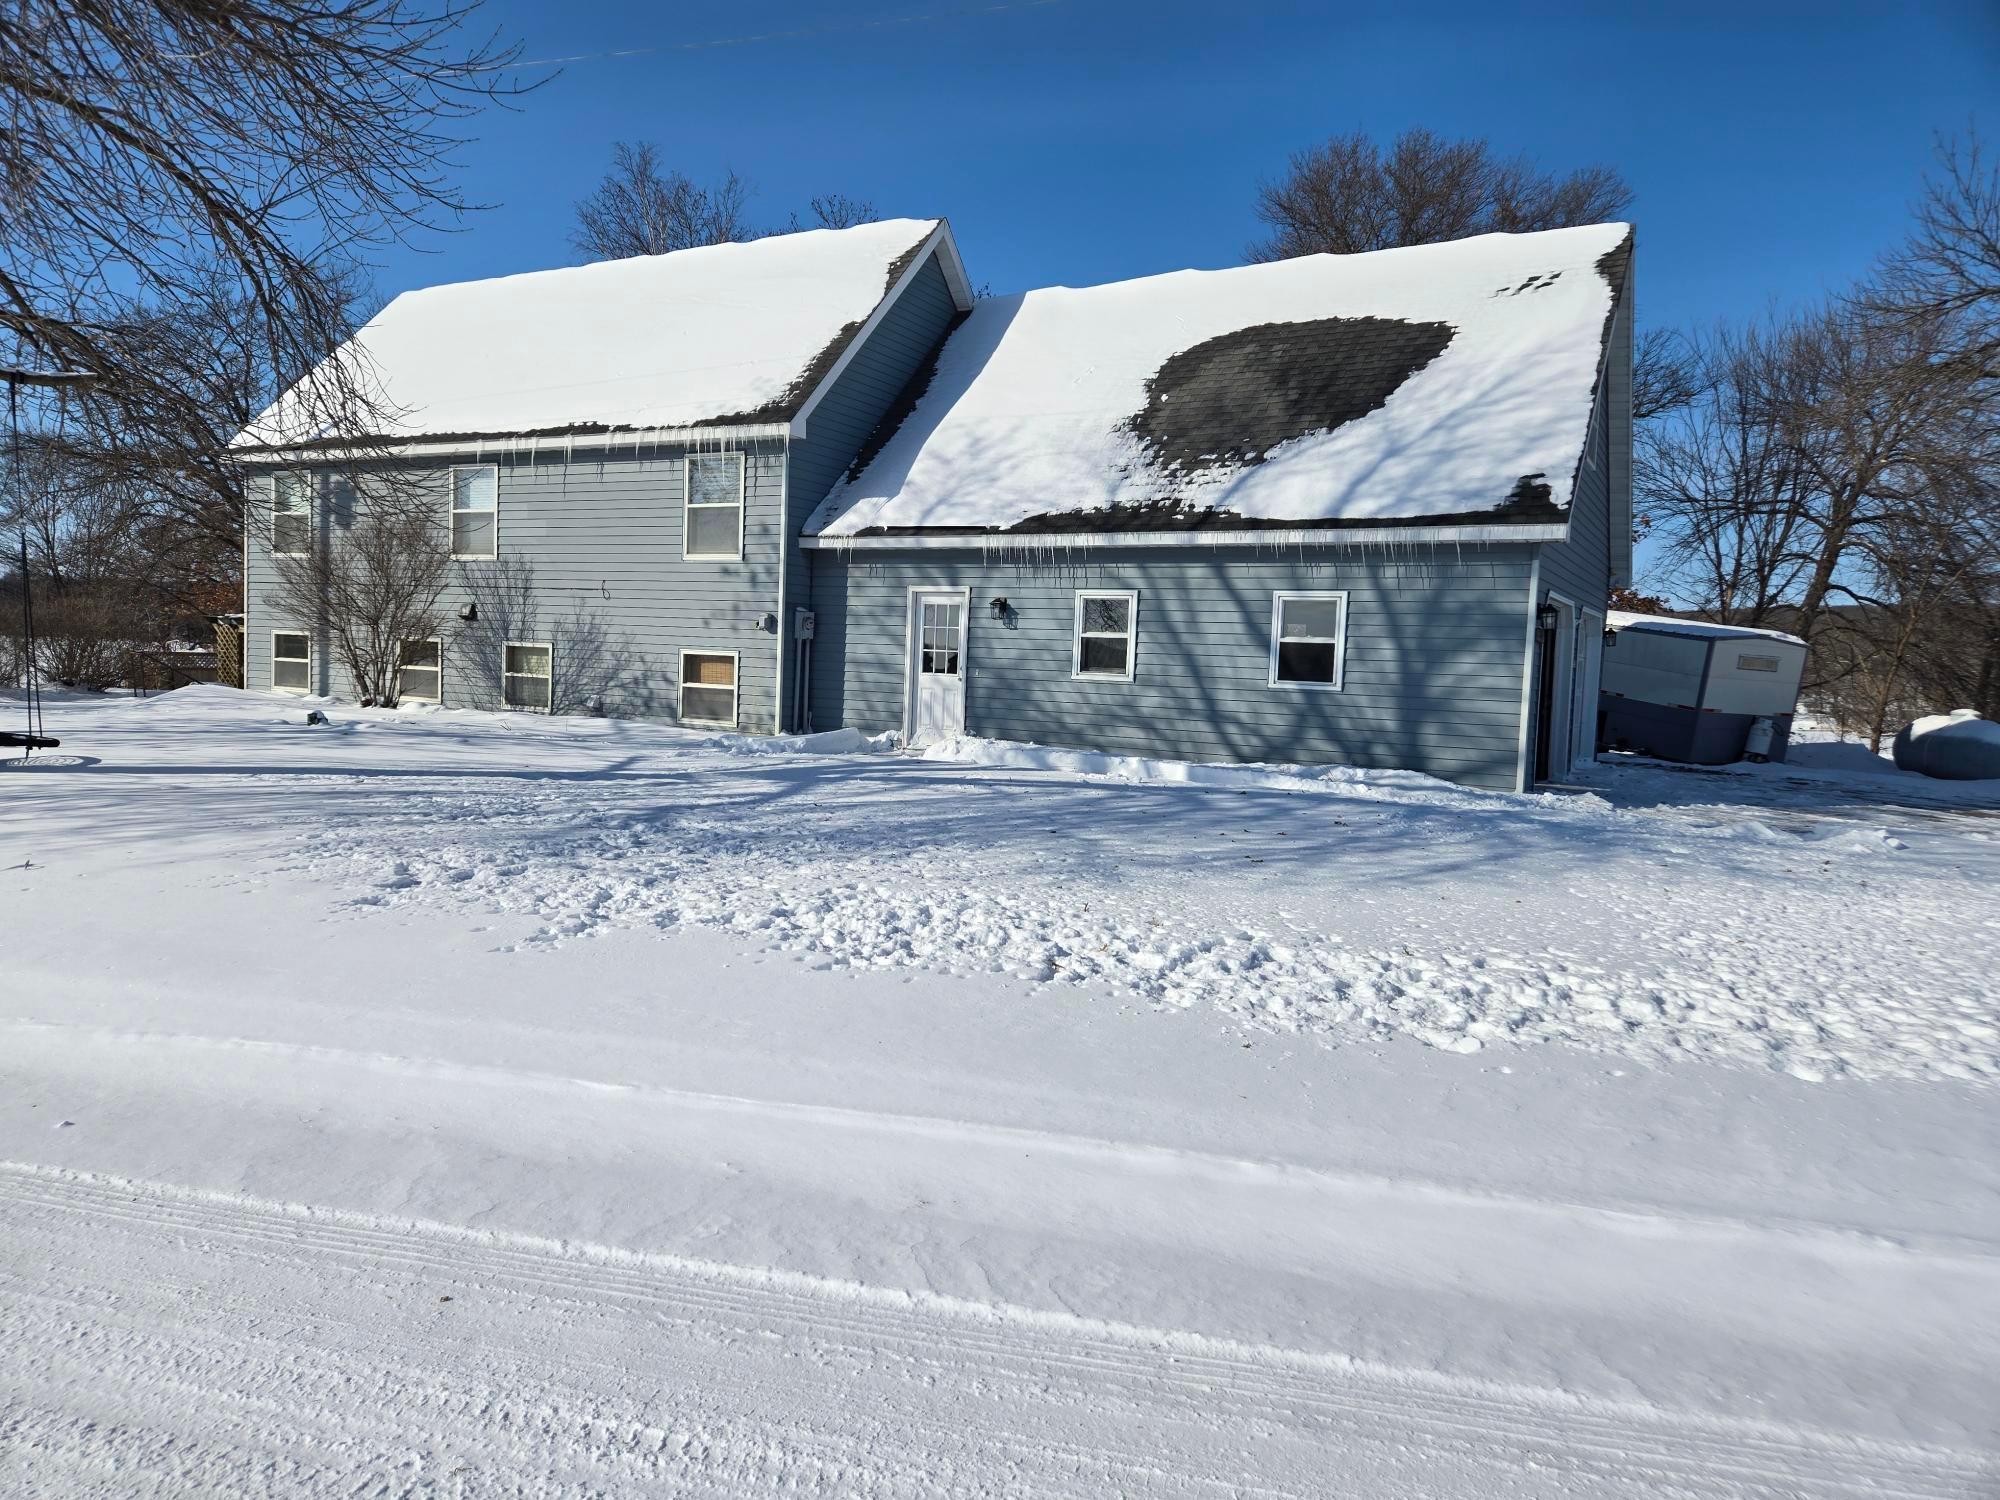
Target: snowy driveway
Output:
[(443, 1103)]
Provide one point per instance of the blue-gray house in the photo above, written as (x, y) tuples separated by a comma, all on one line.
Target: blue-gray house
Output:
[(1361, 509)]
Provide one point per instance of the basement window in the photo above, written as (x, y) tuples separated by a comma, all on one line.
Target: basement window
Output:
[(475, 512), (291, 514), (291, 661), (1106, 625), (420, 671), (527, 675), (1308, 640), (708, 688), (713, 519)]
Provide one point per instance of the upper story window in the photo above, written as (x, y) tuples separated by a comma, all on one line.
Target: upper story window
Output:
[(475, 511), (714, 512), (1308, 639), (1106, 623), (291, 514)]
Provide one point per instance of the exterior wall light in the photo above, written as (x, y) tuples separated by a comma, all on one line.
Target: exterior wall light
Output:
[(1547, 617), (999, 607), (468, 611)]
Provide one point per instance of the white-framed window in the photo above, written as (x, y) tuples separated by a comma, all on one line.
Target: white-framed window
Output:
[(712, 521), (291, 661), (291, 514), (420, 671), (1107, 627), (708, 687), (475, 511), (1308, 639), (527, 675)]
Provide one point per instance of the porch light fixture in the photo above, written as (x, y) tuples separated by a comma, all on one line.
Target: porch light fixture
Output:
[(1610, 636), (1547, 617), (468, 611), (998, 607)]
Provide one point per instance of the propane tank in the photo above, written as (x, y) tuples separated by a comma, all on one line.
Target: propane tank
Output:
[(1757, 746)]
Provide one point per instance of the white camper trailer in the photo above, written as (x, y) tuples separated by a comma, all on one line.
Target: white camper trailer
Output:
[(1691, 691)]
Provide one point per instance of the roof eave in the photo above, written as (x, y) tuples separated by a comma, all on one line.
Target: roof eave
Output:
[(1301, 536), (421, 446)]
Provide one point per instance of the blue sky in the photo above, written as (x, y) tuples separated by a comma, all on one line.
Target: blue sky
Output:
[(1774, 149)]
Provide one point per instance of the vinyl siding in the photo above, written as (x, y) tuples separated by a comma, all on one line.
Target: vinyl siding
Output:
[(855, 404), (590, 561), (1597, 553), (1432, 674)]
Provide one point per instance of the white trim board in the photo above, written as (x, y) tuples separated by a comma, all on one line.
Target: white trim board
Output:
[(1524, 778), (1029, 544)]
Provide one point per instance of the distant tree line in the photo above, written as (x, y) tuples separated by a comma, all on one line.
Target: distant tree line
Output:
[(644, 208), (1834, 470)]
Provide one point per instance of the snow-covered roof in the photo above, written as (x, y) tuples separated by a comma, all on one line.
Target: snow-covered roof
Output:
[(1449, 382), (1619, 619), (721, 335)]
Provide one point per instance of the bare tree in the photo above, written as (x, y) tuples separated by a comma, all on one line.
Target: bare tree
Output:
[(1349, 195), (836, 211), (590, 668), (1720, 488), (1666, 374), (151, 145), (640, 209), (1949, 266), (372, 577)]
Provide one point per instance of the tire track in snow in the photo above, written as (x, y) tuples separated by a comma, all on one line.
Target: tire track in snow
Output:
[(1635, 1216), (208, 1339)]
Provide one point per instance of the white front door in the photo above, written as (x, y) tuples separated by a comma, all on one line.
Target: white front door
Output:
[(936, 703)]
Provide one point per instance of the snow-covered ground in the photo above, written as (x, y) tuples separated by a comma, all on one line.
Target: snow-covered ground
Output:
[(445, 1103)]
